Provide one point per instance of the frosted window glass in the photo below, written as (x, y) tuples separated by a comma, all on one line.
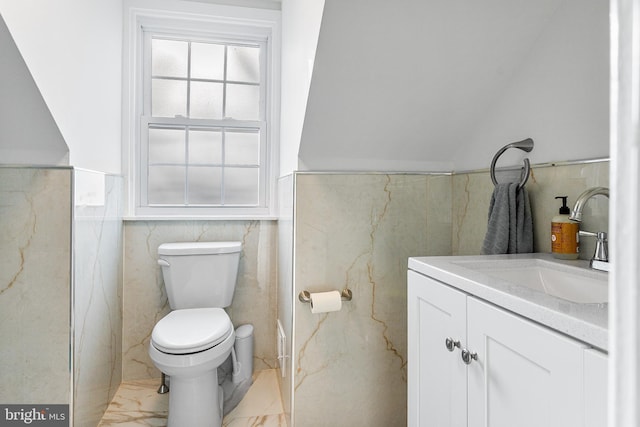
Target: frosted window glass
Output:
[(243, 64), (241, 186), (205, 147), (169, 58), (166, 185), (242, 148), (169, 98), (207, 61), (243, 102), (206, 100), (166, 145), (204, 185)]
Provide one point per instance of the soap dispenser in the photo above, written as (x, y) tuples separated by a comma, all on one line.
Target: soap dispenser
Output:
[(564, 233)]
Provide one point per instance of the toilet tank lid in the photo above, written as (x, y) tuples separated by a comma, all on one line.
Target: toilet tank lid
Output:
[(199, 248)]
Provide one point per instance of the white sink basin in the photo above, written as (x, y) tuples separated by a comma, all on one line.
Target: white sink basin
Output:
[(559, 280)]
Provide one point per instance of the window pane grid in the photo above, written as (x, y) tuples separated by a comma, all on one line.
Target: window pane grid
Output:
[(204, 183), (247, 64), (212, 164)]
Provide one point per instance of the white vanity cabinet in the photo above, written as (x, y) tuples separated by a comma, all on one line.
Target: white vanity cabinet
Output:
[(437, 378), (595, 388), (516, 373), (525, 374)]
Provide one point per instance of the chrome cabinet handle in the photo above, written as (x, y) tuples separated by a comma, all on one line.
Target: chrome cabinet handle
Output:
[(451, 344), (467, 356)]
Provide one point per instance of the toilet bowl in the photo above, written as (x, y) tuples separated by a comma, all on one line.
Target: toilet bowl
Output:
[(190, 354), (193, 340)]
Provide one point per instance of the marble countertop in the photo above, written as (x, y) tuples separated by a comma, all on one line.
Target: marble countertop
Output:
[(585, 322)]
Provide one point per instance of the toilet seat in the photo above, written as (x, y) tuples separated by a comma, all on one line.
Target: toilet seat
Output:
[(191, 330)]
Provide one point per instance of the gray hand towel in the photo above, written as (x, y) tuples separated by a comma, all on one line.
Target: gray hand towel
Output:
[(510, 227)]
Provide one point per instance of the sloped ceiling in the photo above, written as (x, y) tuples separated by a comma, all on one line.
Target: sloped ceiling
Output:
[(28, 133), (73, 52), (407, 85)]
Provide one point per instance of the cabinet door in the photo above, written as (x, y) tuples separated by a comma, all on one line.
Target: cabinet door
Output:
[(437, 377), (525, 375), (595, 388)]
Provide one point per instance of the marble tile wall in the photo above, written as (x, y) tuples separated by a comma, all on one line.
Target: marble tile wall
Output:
[(357, 231), (35, 278), (145, 301), (351, 230), (97, 252), (472, 194)]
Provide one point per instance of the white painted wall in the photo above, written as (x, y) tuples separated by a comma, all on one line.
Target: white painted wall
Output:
[(73, 50), (559, 95), (300, 29), (414, 85), (441, 85), (28, 133)]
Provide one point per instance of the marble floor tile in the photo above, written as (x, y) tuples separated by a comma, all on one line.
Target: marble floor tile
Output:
[(261, 421), (263, 398), (137, 404), (133, 419)]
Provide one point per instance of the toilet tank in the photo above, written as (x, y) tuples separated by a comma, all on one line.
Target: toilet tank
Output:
[(199, 274)]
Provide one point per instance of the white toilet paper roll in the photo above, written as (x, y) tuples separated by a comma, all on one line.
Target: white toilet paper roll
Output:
[(323, 302)]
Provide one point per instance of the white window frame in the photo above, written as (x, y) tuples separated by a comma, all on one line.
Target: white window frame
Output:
[(206, 21)]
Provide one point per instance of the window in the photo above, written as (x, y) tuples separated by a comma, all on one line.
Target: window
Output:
[(204, 140)]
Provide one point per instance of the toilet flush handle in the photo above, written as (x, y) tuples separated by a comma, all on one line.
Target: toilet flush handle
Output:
[(163, 263)]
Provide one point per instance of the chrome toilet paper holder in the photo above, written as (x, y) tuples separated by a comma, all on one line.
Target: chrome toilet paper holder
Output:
[(305, 296)]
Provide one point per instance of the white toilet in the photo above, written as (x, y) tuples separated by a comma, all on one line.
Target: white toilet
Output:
[(197, 336)]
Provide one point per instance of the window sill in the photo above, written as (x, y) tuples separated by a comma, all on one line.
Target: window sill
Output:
[(200, 218)]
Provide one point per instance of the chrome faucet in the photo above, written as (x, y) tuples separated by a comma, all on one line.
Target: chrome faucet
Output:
[(600, 259)]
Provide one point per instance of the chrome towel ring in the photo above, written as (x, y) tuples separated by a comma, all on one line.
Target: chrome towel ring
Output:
[(524, 145)]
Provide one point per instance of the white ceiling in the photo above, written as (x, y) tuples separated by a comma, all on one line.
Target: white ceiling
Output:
[(407, 85)]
